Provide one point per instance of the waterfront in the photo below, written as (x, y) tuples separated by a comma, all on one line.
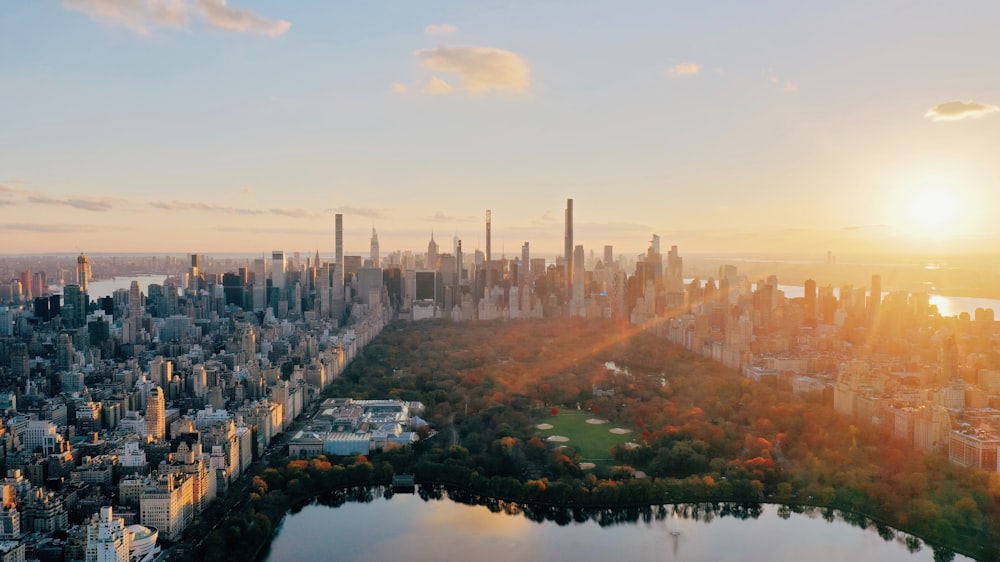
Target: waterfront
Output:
[(946, 305), (107, 287), (406, 527)]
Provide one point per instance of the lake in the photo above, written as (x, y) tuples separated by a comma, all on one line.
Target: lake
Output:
[(406, 527)]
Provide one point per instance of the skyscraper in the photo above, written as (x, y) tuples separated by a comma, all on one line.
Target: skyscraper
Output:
[(134, 300), (278, 270), (83, 273), (339, 234), (578, 308), (74, 310), (156, 414), (376, 261), (810, 300), (609, 257), (26, 289), (524, 268), (64, 352), (459, 260), (568, 247), (875, 300), (432, 253), (489, 240), (194, 274)]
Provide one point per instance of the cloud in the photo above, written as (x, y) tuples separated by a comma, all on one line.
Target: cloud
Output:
[(176, 205), (442, 29), (686, 69), (78, 203), (294, 213), (398, 88), (956, 110), (5, 188), (218, 14), (441, 216), (786, 85), (480, 69), (258, 230), (9, 192), (438, 86), (369, 212), (57, 228), (141, 16)]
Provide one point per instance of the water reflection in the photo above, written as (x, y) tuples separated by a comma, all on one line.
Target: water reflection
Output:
[(375, 524)]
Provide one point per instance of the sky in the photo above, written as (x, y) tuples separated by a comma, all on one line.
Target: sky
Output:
[(214, 126)]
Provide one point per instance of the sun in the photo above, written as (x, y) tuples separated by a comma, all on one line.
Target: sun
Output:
[(933, 210)]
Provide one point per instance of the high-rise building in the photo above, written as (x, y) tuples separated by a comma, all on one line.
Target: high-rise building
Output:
[(675, 270), (38, 286), (810, 299), (578, 281), (167, 503), (194, 274), (459, 261), (108, 540), (432, 253), (83, 273), (259, 284), (64, 352), (489, 240), (74, 309), (156, 413), (376, 260), (7, 320), (524, 267), (568, 246), (134, 300), (875, 300), (609, 257), (10, 517), (26, 289), (339, 240), (278, 270), (161, 371)]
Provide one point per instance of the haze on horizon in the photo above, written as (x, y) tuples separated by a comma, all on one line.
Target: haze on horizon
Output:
[(243, 126)]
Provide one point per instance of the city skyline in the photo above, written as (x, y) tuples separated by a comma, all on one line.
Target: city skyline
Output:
[(245, 126)]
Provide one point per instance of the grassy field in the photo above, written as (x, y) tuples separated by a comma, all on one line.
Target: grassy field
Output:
[(593, 441)]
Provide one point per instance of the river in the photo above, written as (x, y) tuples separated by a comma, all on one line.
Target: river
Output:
[(946, 305), (107, 287), (409, 528)]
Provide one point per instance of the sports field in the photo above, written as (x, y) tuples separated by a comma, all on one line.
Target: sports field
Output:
[(592, 440)]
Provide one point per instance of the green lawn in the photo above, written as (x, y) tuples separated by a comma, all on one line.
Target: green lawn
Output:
[(593, 441)]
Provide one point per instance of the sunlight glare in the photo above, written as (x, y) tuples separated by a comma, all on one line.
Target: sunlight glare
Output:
[(933, 209)]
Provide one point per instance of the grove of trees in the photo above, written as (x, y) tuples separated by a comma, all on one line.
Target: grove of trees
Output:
[(703, 433)]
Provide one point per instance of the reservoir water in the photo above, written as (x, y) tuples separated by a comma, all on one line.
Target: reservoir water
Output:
[(407, 527)]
